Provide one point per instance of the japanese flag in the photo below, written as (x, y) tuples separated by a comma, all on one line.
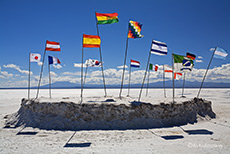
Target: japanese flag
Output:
[(35, 57)]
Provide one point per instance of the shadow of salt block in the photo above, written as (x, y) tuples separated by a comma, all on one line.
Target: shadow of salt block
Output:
[(77, 145), (198, 132), (26, 133), (172, 137)]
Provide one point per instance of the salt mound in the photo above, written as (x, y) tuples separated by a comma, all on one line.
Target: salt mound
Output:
[(66, 115)]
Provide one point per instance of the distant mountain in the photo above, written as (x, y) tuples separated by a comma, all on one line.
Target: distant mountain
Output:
[(168, 84)]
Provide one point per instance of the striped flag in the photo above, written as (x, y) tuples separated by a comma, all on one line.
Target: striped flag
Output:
[(53, 60), (91, 41), (134, 29), (191, 56), (159, 48), (134, 63), (220, 53), (151, 66), (52, 46), (106, 18)]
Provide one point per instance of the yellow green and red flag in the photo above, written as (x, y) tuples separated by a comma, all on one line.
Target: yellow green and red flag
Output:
[(106, 18), (91, 41)]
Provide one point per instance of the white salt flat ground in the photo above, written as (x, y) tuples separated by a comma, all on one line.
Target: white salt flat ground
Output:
[(203, 137)]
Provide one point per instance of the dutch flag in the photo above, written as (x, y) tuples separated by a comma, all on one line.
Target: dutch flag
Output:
[(159, 48), (134, 63)]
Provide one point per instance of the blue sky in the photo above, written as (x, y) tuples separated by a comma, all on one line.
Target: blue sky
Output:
[(194, 26)]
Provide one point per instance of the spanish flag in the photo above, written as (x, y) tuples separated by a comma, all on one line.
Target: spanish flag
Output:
[(91, 41), (106, 18)]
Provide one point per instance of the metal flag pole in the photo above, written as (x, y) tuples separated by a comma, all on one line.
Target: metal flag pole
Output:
[(183, 86), (122, 80), (82, 71), (49, 80), (173, 76), (206, 73), (85, 75), (41, 73), (29, 79), (145, 74), (102, 70), (129, 79), (147, 83), (164, 80)]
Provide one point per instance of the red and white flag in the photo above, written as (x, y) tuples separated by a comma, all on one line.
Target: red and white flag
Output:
[(52, 46), (156, 67), (177, 75), (35, 57)]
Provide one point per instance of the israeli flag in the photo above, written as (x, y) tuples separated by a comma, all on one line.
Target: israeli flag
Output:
[(220, 53), (159, 48)]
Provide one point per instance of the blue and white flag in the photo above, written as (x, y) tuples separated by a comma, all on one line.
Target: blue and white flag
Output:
[(220, 53), (53, 60), (159, 48)]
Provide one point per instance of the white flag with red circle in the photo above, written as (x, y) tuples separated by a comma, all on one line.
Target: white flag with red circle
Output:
[(35, 57)]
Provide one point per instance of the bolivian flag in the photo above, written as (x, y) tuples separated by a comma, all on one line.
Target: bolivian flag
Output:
[(91, 41), (106, 18)]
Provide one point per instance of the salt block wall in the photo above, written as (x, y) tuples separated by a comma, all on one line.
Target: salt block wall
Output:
[(107, 115)]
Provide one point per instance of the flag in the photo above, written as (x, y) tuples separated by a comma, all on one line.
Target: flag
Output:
[(93, 63), (52, 46), (91, 41), (159, 48), (134, 30), (106, 18), (168, 69), (182, 63), (220, 53), (177, 75), (134, 63), (192, 56), (151, 67), (35, 57), (53, 60)]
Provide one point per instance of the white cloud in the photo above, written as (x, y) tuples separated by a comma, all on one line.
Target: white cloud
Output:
[(122, 66), (78, 65), (58, 66), (40, 63), (53, 73), (71, 73), (200, 57), (113, 76), (6, 74), (199, 60), (17, 68)]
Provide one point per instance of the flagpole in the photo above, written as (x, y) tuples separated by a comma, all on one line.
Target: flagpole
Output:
[(82, 71), (41, 73), (102, 70), (85, 75), (29, 79), (173, 76), (129, 80), (183, 86), (49, 80), (164, 80), (122, 80), (206, 73), (147, 83), (145, 74)]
